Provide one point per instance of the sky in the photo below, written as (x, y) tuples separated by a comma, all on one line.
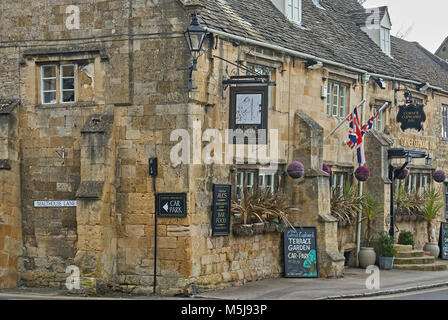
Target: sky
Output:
[(427, 19)]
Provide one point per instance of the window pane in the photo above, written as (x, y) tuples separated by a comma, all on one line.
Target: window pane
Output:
[(68, 96), (68, 71), (68, 84), (329, 96), (335, 99), (49, 72), (49, 97), (49, 85), (343, 101)]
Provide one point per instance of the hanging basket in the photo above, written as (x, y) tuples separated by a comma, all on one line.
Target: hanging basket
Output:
[(326, 168), (439, 176), (362, 174), (296, 170)]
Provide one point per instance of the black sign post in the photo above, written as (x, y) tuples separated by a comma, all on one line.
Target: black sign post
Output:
[(221, 209), (300, 248), (443, 241), (171, 205)]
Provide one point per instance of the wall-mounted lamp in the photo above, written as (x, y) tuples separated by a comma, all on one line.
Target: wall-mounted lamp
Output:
[(428, 160), (195, 37), (423, 86), (313, 64), (381, 83)]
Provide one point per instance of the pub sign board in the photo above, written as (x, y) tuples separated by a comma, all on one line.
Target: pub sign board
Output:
[(443, 241), (248, 115), (221, 209), (300, 251), (411, 117), (171, 205)]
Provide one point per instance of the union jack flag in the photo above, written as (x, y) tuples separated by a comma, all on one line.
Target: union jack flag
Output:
[(357, 132)]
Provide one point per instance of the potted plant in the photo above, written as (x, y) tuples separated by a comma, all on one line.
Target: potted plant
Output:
[(429, 210), (386, 251), (261, 211), (371, 207), (406, 238)]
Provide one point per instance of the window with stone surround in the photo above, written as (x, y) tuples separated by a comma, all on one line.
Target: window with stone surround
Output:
[(341, 178), (65, 82), (256, 179), (337, 99)]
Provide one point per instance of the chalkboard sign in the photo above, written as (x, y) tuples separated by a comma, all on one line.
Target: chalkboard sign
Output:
[(300, 248), (221, 209), (443, 241)]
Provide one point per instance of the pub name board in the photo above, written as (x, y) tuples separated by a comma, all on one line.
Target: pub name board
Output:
[(221, 209)]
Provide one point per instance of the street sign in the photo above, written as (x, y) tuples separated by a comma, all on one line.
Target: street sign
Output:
[(54, 203), (171, 205)]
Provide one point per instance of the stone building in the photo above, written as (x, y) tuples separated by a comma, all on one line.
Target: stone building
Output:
[(91, 90)]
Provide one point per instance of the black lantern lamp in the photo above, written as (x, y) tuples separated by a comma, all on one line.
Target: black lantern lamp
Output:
[(195, 37)]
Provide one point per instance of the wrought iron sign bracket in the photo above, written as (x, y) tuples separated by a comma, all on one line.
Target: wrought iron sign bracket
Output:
[(261, 80)]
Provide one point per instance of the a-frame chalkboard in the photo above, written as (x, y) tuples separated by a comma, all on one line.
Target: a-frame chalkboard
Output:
[(300, 252), (443, 241)]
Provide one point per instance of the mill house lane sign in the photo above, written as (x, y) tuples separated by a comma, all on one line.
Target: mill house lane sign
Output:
[(54, 203), (411, 117)]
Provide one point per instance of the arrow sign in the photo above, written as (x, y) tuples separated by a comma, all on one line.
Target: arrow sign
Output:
[(171, 205)]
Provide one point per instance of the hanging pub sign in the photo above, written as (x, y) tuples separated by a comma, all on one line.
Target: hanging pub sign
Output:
[(443, 241), (171, 205), (300, 250), (221, 209), (411, 117), (249, 113)]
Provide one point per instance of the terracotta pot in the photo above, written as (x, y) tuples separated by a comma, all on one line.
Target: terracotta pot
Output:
[(366, 257), (432, 248)]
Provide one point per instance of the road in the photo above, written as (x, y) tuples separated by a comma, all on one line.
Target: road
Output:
[(432, 294)]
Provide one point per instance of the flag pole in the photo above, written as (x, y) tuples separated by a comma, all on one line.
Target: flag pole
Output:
[(342, 122)]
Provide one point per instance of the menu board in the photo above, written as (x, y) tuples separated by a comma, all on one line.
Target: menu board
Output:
[(300, 249), (221, 209), (443, 241)]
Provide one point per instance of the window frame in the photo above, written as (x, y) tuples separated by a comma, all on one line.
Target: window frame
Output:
[(444, 122), (61, 77), (337, 109), (59, 67), (293, 10), (42, 80)]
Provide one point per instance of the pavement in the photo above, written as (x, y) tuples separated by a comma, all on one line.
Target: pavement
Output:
[(351, 285)]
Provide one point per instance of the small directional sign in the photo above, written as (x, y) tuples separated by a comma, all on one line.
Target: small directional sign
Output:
[(171, 205)]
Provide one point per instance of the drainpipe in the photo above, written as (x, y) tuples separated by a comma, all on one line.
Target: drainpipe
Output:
[(365, 79)]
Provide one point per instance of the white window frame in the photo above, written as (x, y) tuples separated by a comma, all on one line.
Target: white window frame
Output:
[(336, 97), (378, 123), (61, 76), (445, 122), (329, 98), (293, 10), (263, 181), (385, 40), (42, 79)]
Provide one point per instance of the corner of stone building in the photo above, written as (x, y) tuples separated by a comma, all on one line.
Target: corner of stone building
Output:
[(10, 203)]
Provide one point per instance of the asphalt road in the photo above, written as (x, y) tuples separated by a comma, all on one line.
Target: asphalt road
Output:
[(432, 294)]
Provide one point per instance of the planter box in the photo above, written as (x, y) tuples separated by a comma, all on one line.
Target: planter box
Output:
[(386, 263), (242, 230)]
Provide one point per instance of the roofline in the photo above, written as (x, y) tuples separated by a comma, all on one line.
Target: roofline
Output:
[(312, 57), (441, 45)]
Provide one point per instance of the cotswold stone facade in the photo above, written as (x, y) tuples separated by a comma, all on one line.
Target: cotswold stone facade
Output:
[(83, 109)]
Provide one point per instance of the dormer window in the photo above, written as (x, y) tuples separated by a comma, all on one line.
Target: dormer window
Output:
[(293, 10), (385, 40)]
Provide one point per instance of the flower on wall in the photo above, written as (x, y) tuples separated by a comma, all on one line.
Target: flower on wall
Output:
[(362, 173), (296, 170)]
